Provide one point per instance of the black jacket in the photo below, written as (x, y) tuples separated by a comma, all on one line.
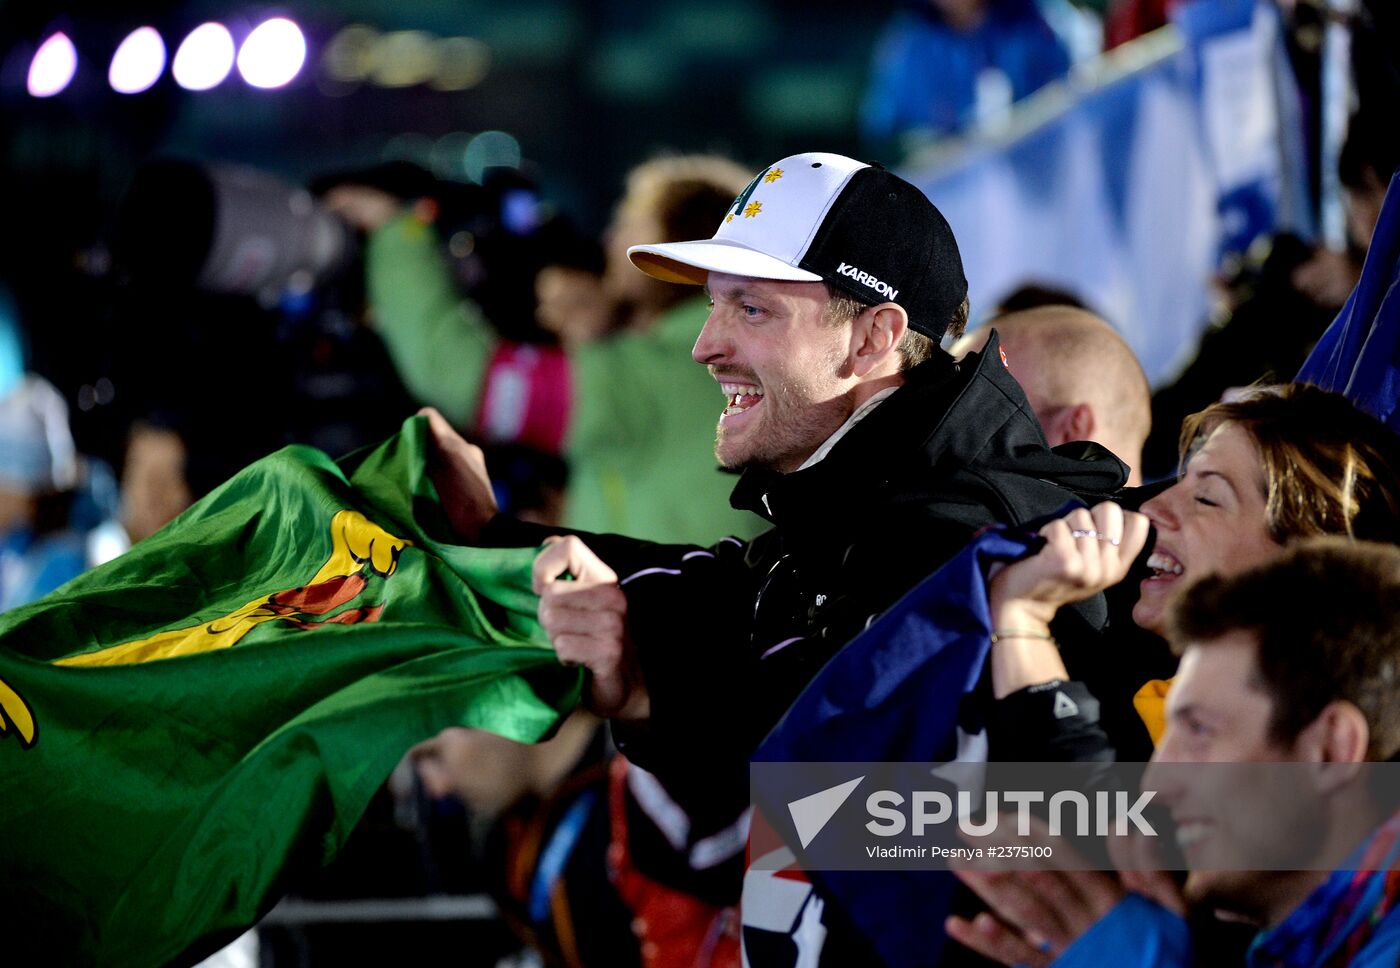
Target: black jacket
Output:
[(728, 636)]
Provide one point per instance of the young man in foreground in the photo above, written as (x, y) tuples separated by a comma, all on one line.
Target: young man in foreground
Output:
[(873, 454)]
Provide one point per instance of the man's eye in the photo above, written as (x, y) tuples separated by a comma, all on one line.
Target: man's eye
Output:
[(751, 311), (1206, 501)]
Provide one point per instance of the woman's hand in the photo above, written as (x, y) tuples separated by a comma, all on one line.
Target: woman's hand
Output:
[(1085, 552)]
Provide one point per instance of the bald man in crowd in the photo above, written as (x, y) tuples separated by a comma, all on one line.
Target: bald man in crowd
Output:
[(1080, 377)]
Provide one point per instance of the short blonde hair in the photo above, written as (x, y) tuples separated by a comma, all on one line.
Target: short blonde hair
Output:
[(914, 347)]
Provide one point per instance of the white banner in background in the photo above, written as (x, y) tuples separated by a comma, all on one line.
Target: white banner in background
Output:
[(1131, 193)]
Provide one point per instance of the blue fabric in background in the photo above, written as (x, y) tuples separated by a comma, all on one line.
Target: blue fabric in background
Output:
[(1359, 355)]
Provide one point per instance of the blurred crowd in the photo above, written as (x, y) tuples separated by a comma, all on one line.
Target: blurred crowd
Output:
[(329, 313)]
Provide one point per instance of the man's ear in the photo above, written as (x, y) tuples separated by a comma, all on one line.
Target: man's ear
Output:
[(875, 334), (1064, 424), (1339, 734), (1335, 745)]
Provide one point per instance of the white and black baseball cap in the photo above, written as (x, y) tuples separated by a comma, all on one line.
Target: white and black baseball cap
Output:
[(820, 217)]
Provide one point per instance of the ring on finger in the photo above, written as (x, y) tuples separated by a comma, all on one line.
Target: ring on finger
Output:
[(1113, 541), (1078, 533)]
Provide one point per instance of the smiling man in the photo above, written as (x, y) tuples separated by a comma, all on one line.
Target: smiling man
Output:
[(828, 280), (873, 454), (783, 393), (1288, 683), (1268, 678)]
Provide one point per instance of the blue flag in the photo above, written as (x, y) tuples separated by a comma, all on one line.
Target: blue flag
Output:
[(1359, 353), (895, 694)]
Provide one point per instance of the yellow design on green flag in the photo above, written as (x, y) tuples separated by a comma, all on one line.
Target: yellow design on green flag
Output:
[(360, 545), (15, 712)]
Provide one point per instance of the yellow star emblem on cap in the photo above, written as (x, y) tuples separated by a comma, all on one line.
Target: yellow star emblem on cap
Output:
[(752, 209), (729, 218), (773, 175)]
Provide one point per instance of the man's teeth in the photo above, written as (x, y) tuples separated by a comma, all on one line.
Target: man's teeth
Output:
[(737, 391), (740, 390), (1163, 565)]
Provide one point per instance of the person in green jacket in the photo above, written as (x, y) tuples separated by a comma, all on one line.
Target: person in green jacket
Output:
[(640, 415)]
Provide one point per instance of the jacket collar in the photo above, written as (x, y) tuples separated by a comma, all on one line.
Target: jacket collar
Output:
[(959, 414), (760, 487)]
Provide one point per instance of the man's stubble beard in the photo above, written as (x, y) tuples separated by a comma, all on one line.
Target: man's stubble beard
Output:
[(787, 435), (811, 423)]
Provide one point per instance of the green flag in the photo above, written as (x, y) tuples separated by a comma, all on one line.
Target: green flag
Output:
[(189, 726)]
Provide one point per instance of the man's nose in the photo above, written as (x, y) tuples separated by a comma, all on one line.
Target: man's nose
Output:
[(710, 346), (1163, 773)]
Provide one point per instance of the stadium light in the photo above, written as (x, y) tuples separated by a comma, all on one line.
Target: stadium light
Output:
[(205, 58), (138, 62), (53, 66), (273, 54)]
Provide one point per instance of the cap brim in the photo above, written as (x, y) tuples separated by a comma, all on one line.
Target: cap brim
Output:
[(692, 262)]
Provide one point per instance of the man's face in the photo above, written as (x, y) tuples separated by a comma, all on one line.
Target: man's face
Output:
[(154, 488), (485, 771), (782, 366), (1217, 712)]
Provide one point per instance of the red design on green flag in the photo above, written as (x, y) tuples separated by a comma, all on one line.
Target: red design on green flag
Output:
[(188, 728)]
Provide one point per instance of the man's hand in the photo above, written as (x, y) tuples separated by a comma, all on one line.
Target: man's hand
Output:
[(586, 619), (994, 939), (459, 474), (1035, 915)]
